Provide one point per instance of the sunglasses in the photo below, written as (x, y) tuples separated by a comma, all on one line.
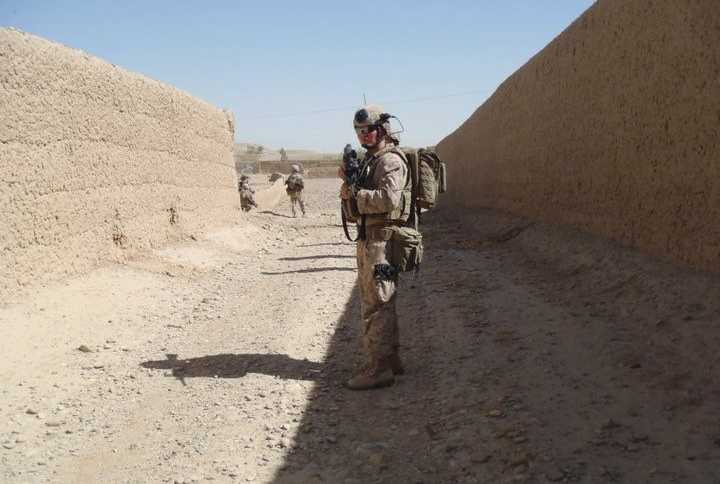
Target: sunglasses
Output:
[(366, 129)]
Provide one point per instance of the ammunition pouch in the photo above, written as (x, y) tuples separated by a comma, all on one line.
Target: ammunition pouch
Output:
[(404, 247), (407, 249)]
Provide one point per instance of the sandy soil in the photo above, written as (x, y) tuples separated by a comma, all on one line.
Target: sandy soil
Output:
[(534, 354)]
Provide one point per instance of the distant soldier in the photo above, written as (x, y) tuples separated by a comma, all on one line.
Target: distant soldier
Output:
[(294, 188), (247, 194)]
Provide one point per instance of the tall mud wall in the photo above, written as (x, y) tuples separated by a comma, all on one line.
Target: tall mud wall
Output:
[(614, 127), (97, 162), (311, 168)]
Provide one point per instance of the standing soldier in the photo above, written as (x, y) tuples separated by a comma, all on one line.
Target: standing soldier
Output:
[(383, 201), (295, 187), (247, 194)]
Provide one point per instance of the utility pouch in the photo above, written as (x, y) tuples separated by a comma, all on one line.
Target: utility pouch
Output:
[(407, 249)]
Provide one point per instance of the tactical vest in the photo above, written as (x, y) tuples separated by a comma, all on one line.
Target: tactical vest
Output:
[(399, 214)]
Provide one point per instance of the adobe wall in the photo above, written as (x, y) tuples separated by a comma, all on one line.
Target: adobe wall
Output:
[(97, 162), (614, 127), (311, 168)]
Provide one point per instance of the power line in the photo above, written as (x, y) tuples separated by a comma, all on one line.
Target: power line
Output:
[(348, 108), (432, 98)]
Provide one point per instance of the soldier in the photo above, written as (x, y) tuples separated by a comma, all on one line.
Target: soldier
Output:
[(294, 189), (383, 200), (247, 194)]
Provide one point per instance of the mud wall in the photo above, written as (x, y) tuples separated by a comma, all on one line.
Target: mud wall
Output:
[(272, 195), (311, 168), (97, 162), (614, 127)]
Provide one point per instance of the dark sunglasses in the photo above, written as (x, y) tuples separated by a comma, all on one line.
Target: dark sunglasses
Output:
[(366, 129)]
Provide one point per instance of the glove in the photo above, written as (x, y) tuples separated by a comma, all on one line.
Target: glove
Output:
[(345, 192)]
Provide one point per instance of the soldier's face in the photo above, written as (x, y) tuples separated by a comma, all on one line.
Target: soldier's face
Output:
[(368, 135)]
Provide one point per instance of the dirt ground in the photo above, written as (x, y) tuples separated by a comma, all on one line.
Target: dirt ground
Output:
[(533, 354)]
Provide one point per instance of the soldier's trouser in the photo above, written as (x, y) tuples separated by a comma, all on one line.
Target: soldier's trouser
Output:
[(377, 298), (247, 201), (297, 198)]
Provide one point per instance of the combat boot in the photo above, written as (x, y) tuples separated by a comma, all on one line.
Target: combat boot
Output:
[(372, 376)]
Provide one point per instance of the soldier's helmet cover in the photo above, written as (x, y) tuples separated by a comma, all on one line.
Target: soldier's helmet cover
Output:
[(371, 115)]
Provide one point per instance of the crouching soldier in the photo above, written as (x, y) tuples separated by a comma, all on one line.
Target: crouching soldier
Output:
[(294, 188), (247, 194)]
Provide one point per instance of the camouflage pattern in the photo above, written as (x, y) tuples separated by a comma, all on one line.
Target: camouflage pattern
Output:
[(381, 198), (295, 182), (247, 194), (386, 196), (368, 116), (296, 198), (377, 299), (295, 185), (371, 115)]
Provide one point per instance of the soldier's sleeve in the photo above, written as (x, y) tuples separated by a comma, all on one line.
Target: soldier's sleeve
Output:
[(390, 174)]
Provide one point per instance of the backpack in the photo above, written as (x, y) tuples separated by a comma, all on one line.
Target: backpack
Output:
[(294, 183), (429, 176)]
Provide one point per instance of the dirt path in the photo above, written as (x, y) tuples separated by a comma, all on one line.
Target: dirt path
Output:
[(535, 354)]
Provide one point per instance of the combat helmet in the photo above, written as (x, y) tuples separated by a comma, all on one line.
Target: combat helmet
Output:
[(372, 115), (375, 115)]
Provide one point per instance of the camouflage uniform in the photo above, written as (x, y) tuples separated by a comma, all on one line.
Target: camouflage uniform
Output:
[(381, 197), (384, 201), (247, 194), (295, 187)]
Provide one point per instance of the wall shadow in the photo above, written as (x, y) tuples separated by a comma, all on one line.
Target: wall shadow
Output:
[(408, 432), (523, 366)]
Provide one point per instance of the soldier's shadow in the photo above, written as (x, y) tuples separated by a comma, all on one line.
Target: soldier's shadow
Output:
[(312, 257), (308, 271), (270, 212), (237, 365)]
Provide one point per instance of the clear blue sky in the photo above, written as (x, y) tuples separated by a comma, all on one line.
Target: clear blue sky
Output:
[(274, 63)]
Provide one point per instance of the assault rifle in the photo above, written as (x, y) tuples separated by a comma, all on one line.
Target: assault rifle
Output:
[(352, 168), (351, 165)]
